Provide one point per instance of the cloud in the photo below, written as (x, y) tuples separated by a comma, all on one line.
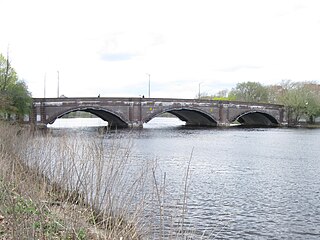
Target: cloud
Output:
[(237, 68), (117, 56), (123, 46)]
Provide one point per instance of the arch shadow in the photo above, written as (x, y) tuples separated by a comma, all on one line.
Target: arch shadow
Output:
[(256, 119), (115, 120), (192, 116)]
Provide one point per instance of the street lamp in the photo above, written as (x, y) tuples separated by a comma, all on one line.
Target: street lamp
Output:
[(149, 84), (199, 89), (44, 85), (58, 86)]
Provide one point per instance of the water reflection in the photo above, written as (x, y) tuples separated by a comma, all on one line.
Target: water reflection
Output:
[(67, 123)]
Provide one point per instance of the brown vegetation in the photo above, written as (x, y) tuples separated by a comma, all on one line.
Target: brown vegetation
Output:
[(39, 201), (74, 187)]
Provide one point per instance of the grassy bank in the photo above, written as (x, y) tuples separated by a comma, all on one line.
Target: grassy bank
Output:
[(75, 187), (56, 190)]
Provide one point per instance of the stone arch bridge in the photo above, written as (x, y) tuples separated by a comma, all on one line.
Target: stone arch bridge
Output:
[(134, 112)]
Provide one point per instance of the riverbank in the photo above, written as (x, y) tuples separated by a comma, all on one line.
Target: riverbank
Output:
[(312, 126), (85, 185), (307, 125), (32, 206)]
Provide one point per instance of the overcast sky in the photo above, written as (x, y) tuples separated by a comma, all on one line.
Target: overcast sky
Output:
[(109, 47)]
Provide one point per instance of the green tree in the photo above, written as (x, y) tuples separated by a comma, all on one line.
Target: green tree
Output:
[(249, 92), (8, 75), (274, 93), (294, 98), (301, 99), (222, 95), (20, 98), (15, 99), (312, 100)]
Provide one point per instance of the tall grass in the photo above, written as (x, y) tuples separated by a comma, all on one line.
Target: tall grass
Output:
[(75, 187), (67, 187)]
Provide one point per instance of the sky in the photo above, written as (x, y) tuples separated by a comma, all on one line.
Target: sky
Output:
[(113, 48)]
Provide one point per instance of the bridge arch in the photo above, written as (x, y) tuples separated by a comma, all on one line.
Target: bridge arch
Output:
[(256, 118), (114, 119), (192, 116)]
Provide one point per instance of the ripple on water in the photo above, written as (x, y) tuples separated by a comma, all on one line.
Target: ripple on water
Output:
[(244, 183)]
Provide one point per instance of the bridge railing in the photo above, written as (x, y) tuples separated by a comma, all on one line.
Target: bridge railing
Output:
[(138, 99)]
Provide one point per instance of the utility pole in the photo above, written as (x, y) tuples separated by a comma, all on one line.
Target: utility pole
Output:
[(149, 83), (199, 90), (44, 85), (58, 85)]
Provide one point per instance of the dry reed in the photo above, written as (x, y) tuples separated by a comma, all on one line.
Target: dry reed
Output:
[(75, 187), (54, 188)]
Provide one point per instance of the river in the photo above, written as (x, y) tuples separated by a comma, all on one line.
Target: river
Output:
[(243, 183)]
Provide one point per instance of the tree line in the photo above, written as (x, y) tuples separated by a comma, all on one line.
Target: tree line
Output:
[(301, 99), (15, 99)]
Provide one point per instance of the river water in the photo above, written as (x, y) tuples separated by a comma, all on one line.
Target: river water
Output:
[(243, 183)]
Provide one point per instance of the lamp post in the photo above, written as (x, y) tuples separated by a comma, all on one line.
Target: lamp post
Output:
[(149, 84), (199, 90), (44, 85), (58, 85)]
